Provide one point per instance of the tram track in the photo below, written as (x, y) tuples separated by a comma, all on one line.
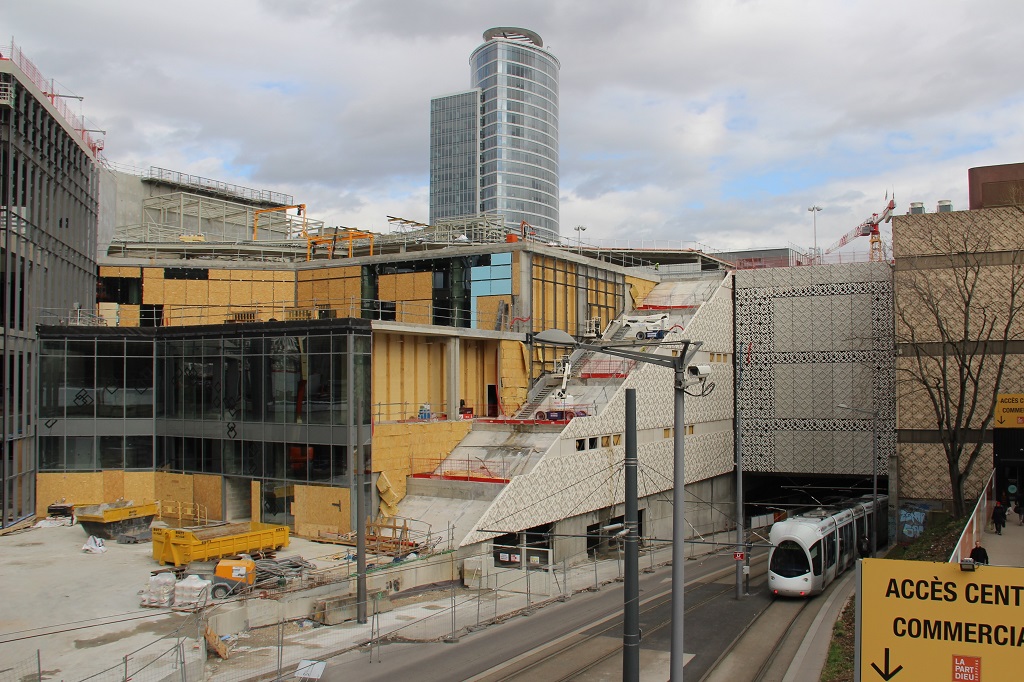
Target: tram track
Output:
[(585, 651)]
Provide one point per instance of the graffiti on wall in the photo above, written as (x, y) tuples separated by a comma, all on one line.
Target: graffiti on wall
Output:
[(912, 520)]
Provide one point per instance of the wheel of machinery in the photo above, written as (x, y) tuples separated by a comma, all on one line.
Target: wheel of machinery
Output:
[(220, 591)]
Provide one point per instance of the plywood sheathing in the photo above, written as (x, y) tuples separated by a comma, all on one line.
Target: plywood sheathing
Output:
[(400, 450), (173, 487), (314, 509), (487, 311), (639, 289), (255, 502), (139, 486), (207, 491), (120, 271), (153, 286), (515, 375), (73, 488), (128, 315), (408, 371), (113, 485)]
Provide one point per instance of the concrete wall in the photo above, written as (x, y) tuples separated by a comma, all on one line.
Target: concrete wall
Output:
[(569, 482)]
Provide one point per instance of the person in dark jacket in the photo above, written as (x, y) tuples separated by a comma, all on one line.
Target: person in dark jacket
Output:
[(999, 517), (978, 554)]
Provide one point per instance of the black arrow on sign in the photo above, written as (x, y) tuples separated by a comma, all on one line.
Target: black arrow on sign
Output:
[(1001, 420), (887, 675)]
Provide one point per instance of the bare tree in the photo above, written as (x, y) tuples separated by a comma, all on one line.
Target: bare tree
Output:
[(957, 303)]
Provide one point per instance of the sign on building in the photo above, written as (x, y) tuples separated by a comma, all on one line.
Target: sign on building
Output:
[(919, 620), (1009, 412)]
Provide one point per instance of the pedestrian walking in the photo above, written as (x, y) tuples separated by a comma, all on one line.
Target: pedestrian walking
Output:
[(978, 554), (1019, 510), (999, 517)]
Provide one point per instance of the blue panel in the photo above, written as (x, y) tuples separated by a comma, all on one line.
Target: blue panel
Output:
[(483, 288), (472, 311), (501, 272), (480, 272), (501, 259), (501, 286)]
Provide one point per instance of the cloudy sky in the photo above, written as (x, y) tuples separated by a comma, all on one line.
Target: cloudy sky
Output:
[(711, 121)]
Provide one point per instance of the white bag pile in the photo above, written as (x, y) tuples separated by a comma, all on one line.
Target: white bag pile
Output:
[(160, 591), (192, 590)]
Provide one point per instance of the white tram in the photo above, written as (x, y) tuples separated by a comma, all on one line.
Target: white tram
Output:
[(809, 550)]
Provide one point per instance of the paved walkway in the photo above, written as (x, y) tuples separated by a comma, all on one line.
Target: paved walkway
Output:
[(1006, 549)]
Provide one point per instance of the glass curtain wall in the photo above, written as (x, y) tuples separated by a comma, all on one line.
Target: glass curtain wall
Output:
[(275, 406)]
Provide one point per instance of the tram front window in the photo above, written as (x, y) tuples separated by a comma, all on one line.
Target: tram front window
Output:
[(789, 560)]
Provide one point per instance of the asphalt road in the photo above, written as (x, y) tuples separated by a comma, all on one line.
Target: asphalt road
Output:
[(563, 639)]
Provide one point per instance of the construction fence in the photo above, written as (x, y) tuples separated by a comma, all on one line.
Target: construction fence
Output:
[(266, 639)]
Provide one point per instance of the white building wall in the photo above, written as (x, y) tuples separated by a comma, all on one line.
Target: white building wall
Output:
[(568, 483)]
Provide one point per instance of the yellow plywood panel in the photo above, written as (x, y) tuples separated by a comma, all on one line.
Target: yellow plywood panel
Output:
[(139, 486), (255, 501), (263, 292), (174, 292), (173, 487), (219, 275), (515, 376), (304, 292), (197, 292), (284, 276), (487, 310), (219, 292), (241, 293), (152, 273), (314, 509), (153, 291), (113, 485), (387, 287), (284, 292), (639, 289), (414, 312), (338, 290), (207, 491), (241, 275), (320, 290), (78, 488), (114, 271), (128, 315), (216, 314)]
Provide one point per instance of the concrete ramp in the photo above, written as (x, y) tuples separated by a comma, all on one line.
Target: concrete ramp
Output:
[(680, 295), (434, 514)]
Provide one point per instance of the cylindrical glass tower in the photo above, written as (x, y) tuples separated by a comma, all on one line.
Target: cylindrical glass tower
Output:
[(518, 82)]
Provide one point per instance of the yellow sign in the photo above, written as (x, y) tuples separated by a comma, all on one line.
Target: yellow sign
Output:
[(1009, 411), (920, 620)]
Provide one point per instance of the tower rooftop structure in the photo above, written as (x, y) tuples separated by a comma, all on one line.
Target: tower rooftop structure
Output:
[(494, 148)]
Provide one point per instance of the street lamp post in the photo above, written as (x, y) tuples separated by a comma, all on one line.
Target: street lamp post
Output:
[(680, 365), (580, 229), (874, 471), (814, 231)]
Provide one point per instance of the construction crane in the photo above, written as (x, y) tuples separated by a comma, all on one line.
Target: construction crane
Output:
[(868, 228)]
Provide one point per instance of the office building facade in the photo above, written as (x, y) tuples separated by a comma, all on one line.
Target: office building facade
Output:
[(494, 148), (49, 188)]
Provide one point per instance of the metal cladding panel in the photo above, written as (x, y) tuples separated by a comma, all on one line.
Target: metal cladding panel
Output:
[(818, 336)]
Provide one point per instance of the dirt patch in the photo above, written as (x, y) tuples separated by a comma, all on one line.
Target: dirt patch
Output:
[(160, 628)]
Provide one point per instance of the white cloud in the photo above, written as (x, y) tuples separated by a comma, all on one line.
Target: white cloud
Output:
[(716, 121)]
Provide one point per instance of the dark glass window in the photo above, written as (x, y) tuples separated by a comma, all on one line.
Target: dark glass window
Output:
[(789, 560)]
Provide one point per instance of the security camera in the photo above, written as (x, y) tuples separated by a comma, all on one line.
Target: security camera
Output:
[(699, 371)]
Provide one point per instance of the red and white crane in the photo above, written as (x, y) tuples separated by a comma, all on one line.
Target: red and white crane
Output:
[(868, 228)]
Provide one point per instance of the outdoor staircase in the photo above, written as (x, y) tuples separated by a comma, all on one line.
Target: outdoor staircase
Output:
[(528, 410)]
